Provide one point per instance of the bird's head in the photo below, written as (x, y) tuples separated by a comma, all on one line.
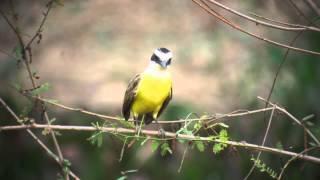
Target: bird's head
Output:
[(161, 57)]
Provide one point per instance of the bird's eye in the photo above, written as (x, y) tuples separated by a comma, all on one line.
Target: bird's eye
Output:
[(169, 62), (155, 58)]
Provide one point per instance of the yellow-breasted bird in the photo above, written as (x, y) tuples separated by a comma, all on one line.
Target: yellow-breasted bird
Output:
[(149, 93)]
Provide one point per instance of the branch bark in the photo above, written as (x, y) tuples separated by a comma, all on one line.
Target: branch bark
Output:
[(168, 135)]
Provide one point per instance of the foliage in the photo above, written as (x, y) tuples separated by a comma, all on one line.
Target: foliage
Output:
[(259, 164), (97, 137)]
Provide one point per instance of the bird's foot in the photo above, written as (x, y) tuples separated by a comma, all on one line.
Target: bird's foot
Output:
[(138, 128)]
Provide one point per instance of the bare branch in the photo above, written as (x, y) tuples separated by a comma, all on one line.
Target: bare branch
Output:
[(210, 119), (214, 119), (297, 27), (209, 10), (294, 119), (49, 152), (313, 6), (39, 30), (299, 11), (275, 21), (292, 159)]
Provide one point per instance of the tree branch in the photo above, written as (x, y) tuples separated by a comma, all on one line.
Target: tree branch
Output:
[(294, 119), (209, 10), (168, 135), (44, 147), (214, 119), (297, 27)]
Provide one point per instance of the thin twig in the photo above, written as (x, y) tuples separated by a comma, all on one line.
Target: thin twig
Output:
[(49, 152), (275, 21), (183, 157), (39, 30), (299, 11), (294, 158), (262, 144), (122, 149), (294, 119), (211, 118), (209, 10), (313, 6), (297, 27), (168, 135), (8, 54)]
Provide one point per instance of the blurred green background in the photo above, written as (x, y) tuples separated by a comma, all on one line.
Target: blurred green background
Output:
[(90, 50)]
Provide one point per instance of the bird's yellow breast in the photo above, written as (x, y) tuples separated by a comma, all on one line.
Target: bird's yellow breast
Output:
[(153, 89)]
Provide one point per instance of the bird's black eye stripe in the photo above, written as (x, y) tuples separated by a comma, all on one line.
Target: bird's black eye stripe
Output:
[(169, 62), (155, 58)]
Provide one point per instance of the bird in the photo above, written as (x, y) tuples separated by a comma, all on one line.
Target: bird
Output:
[(149, 93)]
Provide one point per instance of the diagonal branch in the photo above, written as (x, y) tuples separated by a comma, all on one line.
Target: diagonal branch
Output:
[(297, 27), (292, 159), (313, 6), (39, 30), (294, 119), (209, 10), (44, 147)]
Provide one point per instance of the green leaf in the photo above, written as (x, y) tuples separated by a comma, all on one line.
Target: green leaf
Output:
[(144, 141), (126, 123), (223, 135), (200, 145), (165, 148), (223, 125), (259, 164), (122, 178), (52, 120), (197, 126), (217, 148), (309, 123), (96, 138), (43, 88), (99, 140), (154, 145), (66, 162)]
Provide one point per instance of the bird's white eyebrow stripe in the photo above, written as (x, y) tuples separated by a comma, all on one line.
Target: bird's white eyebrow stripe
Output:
[(163, 56)]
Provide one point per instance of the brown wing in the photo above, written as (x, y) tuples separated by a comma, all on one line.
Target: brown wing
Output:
[(129, 96), (165, 103)]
